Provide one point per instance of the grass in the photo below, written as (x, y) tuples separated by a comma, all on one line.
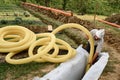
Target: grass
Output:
[(17, 71), (9, 71), (109, 68), (111, 63), (10, 18), (8, 13), (67, 39), (9, 8), (13, 72), (23, 17), (46, 19), (89, 17), (23, 23)]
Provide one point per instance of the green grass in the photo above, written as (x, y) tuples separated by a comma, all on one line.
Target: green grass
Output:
[(17, 71), (23, 23), (89, 17), (10, 18), (12, 7), (23, 17), (111, 64), (67, 39), (46, 19), (9, 71)]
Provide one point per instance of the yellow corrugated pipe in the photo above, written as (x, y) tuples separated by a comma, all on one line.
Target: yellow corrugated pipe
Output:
[(73, 25), (14, 39)]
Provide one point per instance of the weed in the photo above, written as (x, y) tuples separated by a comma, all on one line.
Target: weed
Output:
[(18, 20), (4, 21)]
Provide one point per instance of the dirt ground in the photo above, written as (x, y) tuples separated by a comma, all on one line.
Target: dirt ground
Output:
[(114, 73), (114, 19)]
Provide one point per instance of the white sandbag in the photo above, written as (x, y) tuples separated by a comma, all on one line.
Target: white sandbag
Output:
[(74, 68)]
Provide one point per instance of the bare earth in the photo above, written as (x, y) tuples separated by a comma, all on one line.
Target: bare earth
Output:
[(115, 58)]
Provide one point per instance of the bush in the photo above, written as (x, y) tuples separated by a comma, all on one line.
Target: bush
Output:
[(18, 20), (4, 21), (16, 13), (26, 14), (7, 14)]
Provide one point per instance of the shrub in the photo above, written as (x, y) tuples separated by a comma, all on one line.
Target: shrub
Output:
[(7, 14), (4, 21), (26, 14), (18, 20), (16, 13)]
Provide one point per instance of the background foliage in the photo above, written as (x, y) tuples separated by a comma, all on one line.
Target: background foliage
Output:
[(102, 7)]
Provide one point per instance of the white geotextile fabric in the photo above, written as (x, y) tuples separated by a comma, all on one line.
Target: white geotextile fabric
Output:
[(74, 68), (96, 70)]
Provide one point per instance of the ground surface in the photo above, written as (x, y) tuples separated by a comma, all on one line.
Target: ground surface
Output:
[(111, 45)]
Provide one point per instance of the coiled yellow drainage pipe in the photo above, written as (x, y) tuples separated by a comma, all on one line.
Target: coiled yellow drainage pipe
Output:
[(14, 39), (73, 25), (25, 38)]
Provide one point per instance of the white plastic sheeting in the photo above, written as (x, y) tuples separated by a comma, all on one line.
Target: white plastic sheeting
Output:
[(96, 69), (74, 68)]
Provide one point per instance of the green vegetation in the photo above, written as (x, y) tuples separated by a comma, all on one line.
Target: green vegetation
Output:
[(18, 20), (15, 71), (101, 7), (4, 21), (14, 15), (26, 14)]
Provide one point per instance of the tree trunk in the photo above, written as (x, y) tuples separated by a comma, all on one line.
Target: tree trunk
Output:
[(47, 3), (64, 4), (23, 0)]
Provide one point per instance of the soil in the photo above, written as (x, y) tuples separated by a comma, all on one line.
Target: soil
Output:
[(114, 19), (115, 60), (43, 71), (37, 29), (112, 40)]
